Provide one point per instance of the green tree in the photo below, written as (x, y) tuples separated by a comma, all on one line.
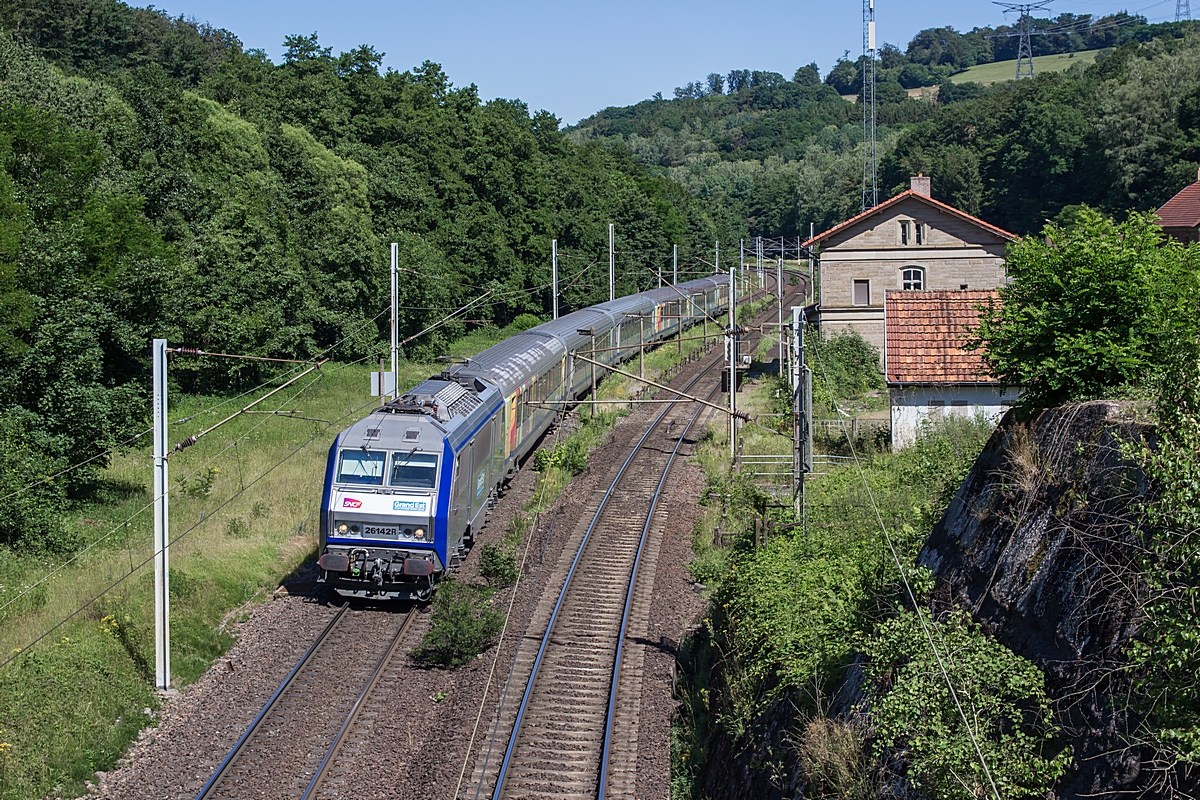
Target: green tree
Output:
[(1093, 309), (808, 75), (844, 77)]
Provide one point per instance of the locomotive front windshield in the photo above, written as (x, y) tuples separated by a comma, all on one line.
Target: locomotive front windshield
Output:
[(414, 470), (364, 467)]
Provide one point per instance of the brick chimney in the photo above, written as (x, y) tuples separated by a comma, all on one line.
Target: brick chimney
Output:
[(920, 184)]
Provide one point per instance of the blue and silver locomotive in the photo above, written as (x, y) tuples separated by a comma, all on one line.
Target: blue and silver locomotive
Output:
[(407, 487)]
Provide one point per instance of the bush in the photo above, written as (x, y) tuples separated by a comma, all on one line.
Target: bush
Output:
[(464, 623), (498, 565), (571, 456), (916, 717), (30, 520), (1096, 308), (844, 362)]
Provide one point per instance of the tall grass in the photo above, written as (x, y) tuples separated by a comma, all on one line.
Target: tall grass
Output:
[(244, 506)]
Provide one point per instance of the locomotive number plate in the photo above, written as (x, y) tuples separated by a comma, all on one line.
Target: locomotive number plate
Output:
[(374, 530)]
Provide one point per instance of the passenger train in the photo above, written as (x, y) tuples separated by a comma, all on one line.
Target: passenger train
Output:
[(407, 487)]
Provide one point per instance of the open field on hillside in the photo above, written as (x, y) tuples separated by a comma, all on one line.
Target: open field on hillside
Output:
[(1007, 70)]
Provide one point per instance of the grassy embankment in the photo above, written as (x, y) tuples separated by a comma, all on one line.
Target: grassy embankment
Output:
[(785, 618), (1006, 70), (244, 506)]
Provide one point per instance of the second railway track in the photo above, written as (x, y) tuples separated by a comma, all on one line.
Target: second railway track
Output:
[(574, 732)]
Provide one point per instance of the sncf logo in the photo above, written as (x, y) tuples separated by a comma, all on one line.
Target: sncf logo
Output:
[(350, 502)]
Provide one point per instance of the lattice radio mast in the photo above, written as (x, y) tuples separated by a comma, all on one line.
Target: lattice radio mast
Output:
[(1025, 31), (870, 178), (1183, 10)]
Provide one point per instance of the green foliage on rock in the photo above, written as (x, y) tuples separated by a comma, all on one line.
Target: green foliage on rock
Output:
[(1166, 653), (1002, 695)]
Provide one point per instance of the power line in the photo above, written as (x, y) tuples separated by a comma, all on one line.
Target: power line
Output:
[(173, 541), (1024, 32), (149, 504)]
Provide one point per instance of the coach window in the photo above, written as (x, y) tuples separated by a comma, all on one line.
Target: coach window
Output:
[(862, 293), (913, 279)]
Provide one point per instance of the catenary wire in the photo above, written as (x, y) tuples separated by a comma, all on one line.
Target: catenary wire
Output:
[(172, 542), (142, 510)]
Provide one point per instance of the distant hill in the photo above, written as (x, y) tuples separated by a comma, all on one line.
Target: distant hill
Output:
[(987, 74), (1095, 126)]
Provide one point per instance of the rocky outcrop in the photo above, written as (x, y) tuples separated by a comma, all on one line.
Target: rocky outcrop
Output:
[(1040, 545)]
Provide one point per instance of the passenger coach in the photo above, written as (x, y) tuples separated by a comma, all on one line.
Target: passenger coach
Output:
[(407, 487)]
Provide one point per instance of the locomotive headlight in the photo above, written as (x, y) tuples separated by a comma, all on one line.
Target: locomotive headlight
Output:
[(419, 533), (342, 528)]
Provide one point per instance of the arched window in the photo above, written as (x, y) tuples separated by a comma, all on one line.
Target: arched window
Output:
[(913, 279)]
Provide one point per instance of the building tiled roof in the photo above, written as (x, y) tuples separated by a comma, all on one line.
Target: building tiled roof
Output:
[(886, 204), (1182, 210), (924, 333)]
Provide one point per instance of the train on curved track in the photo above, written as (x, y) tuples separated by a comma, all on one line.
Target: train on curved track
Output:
[(407, 487)]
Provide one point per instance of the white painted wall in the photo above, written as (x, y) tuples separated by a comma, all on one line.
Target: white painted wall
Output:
[(911, 408)]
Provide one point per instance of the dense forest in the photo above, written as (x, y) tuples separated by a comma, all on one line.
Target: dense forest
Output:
[(157, 179), (1117, 135)]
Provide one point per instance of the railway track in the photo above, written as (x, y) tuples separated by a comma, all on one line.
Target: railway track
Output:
[(279, 754), (576, 727), (574, 733)]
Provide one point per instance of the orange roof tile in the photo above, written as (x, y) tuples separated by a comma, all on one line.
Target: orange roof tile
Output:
[(1182, 210), (949, 209), (924, 332)]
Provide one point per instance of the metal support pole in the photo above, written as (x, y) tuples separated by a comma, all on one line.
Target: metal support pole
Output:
[(783, 354), (554, 274), (612, 265), (733, 355), (674, 264), (812, 275), (162, 526), (802, 414), (395, 320), (641, 345)]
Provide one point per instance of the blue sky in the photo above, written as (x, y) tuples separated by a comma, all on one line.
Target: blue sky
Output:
[(576, 58)]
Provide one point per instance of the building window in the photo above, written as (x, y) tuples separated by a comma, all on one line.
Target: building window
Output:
[(962, 287), (919, 231), (904, 232), (913, 279), (862, 293)]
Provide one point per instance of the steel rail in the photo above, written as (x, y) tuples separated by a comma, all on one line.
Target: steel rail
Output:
[(637, 560), (336, 746), (266, 709), (512, 740)]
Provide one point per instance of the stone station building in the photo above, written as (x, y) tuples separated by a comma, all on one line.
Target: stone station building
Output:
[(908, 242)]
